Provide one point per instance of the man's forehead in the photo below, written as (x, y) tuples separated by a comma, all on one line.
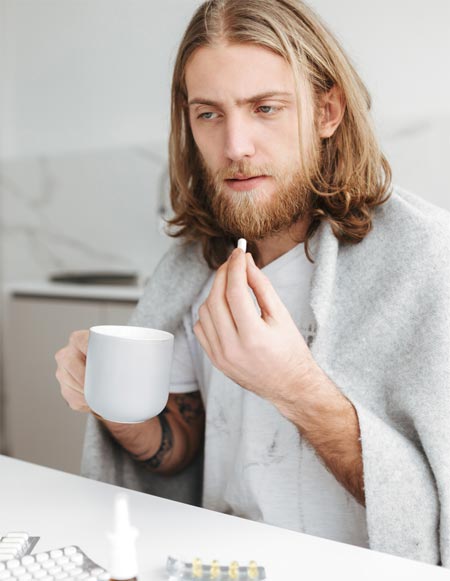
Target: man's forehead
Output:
[(237, 73)]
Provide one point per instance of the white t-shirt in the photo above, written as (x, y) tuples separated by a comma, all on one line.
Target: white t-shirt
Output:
[(257, 465)]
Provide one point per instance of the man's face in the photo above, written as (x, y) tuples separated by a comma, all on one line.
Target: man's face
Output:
[(243, 115)]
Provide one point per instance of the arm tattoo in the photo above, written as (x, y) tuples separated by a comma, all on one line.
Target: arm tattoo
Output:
[(166, 442), (190, 406)]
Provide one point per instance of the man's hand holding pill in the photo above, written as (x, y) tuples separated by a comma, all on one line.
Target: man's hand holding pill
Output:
[(266, 354)]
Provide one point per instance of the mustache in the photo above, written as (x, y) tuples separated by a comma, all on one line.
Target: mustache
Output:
[(247, 169)]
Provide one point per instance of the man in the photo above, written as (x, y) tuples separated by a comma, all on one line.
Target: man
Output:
[(325, 389)]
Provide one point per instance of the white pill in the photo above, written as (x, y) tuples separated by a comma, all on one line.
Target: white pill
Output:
[(39, 574), (242, 244), (104, 577), (82, 575), (48, 564), (17, 571), (77, 571), (13, 564), (62, 560), (5, 574), (18, 535), (61, 575), (54, 570), (33, 567), (24, 577), (2, 567), (48, 578), (97, 571), (77, 558), (6, 557), (27, 560), (41, 557), (55, 554), (70, 551)]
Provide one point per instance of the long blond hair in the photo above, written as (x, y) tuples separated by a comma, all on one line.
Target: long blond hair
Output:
[(349, 176)]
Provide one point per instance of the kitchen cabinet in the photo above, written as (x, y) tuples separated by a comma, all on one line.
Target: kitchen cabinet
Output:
[(39, 426)]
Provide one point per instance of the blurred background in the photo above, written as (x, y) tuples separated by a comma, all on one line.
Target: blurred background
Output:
[(84, 111)]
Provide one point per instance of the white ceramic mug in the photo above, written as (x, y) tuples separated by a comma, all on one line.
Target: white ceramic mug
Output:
[(128, 372)]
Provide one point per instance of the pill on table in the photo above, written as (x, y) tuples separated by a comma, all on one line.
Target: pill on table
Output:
[(77, 558), (27, 560), (62, 560), (33, 567), (48, 564)]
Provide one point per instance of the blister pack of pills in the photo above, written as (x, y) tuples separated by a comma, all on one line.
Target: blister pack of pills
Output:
[(16, 544), (63, 564), (196, 570)]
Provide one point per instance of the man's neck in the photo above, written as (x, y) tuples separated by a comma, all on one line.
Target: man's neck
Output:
[(272, 247)]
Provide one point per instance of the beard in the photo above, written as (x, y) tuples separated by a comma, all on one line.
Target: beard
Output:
[(256, 214)]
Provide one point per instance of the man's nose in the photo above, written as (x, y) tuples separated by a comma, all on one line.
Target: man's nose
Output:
[(239, 141)]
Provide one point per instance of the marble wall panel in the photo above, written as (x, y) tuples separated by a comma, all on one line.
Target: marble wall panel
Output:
[(83, 211)]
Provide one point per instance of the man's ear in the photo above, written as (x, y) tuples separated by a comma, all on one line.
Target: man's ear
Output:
[(331, 112)]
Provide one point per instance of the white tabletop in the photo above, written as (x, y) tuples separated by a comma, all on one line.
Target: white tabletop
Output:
[(69, 510)]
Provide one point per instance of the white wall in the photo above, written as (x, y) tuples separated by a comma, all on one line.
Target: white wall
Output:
[(87, 74), (86, 83), (84, 74)]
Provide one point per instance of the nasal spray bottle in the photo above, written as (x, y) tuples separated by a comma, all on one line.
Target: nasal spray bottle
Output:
[(122, 544)]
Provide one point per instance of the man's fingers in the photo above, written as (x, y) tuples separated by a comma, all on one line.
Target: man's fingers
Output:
[(209, 330), (74, 362), (71, 392), (80, 339), (269, 302), (238, 296), (200, 334), (219, 309), (67, 380)]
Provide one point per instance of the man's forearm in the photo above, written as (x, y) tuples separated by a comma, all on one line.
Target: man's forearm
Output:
[(328, 420), (142, 441), (167, 443)]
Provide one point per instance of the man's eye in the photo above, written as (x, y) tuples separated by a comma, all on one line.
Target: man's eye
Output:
[(268, 109), (208, 115)]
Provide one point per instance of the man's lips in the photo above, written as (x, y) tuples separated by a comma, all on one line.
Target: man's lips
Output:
[(241, 183)]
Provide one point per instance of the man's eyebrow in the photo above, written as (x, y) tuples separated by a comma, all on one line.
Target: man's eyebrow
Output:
[(254, 99)]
